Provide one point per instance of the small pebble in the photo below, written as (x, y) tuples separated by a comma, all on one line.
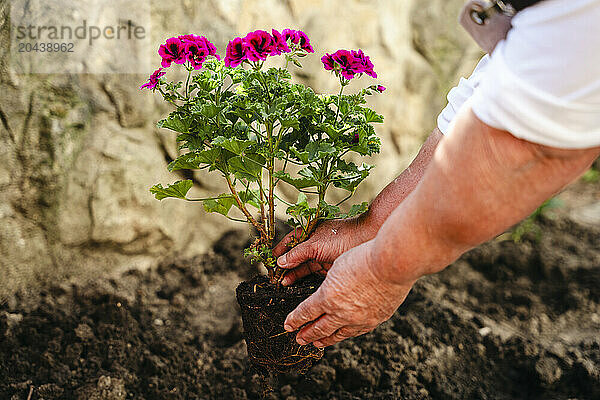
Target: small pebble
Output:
[(486, 330)]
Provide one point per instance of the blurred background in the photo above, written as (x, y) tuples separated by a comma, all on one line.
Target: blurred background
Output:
[(78, 152)]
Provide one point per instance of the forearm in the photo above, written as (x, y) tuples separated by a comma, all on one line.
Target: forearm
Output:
[(397, 190), (480, 182)]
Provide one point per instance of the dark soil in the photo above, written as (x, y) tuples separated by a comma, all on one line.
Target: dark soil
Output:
[(506, 321), (264, 307)]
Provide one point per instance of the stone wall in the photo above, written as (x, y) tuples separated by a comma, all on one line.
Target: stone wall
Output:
[(78, 153)]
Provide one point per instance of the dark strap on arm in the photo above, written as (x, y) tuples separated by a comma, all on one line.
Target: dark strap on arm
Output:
[(521, 4)]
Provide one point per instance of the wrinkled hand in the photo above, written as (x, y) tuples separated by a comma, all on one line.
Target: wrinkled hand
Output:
[(353, 300), (316, 254)]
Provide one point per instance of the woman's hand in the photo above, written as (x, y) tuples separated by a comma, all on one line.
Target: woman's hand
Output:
[(354, 298), (316, 254)]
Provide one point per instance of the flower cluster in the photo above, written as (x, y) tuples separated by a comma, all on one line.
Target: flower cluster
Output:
[(190, 49), (153, 80), (348, 63), (187, 48), (258, 45)]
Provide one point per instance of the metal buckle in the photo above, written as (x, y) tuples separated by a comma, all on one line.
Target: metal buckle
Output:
[(479, 14)]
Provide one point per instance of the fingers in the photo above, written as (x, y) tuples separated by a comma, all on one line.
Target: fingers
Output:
[(297, 255), (309, 267), (320, 329), (307, 311), (331, 340), (339, 335), (282, 247)]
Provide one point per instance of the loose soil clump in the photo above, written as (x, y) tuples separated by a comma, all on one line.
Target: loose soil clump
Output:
[(506, 321)]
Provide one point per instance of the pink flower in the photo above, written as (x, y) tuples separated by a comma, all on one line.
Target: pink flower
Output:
[(299, 38), (212, 50), (235, 53), (380, 88), (197, 48), (172, 51), (365, 62), (259, 45), (290, 34), (280, 43), (153, 80), (196, 53), (348, 63), (328, 62), (304, 42)]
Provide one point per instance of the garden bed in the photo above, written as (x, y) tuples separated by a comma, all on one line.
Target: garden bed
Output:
[(506, 321)]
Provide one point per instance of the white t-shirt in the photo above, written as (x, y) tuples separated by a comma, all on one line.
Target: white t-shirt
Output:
[(542, 84)]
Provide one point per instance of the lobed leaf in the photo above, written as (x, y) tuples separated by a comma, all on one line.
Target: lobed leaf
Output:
[(319, 150), (235, 146), (298, 183), (178, 190), (220, 205), (185, 161), (247, 167), (251, 197), (175, 123)]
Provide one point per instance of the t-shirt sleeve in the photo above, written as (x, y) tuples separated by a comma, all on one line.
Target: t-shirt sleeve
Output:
[(542, 84), (460, 94)]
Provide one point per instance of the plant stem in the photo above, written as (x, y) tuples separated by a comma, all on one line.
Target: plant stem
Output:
[(218, 103), (271, 185), (262, 200), (344, 199), (337, 112), (243, 209), (187, 81)]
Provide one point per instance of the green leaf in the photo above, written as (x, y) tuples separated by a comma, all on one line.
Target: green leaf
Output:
[(351, 175), (220, 205), (185, 161), (333, 212), (328, 211), (309, 172), (216, 157), (355, 210), (298, 183), (330, 131), (290, 123), (372, 116), (190, 141), (209, 156), (178, 190), (301, 208), (300, 155), (247, 167), (319, 150), (344, 106), (208, 110), (236, 146), (175, 123), (251, 197)]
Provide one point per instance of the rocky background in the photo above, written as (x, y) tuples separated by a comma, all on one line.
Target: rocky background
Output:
[(79, 152)]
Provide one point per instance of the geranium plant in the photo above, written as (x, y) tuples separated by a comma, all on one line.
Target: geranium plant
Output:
[(250, 124), (258, 130)]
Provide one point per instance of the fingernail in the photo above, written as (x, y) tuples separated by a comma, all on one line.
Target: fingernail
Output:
[(288, 328), (318, 344), (301, 342), (285, 281), (282, 261)]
